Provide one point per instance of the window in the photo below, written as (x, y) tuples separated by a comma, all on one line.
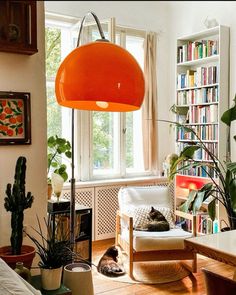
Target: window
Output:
[(109, 144)]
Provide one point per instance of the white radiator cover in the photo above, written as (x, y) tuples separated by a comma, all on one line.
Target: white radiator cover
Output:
[(103, 200)]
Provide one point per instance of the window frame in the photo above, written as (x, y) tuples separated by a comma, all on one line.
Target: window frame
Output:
[(84, 170)]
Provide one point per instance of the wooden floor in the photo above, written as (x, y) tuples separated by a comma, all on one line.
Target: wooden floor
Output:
[(193, 284)]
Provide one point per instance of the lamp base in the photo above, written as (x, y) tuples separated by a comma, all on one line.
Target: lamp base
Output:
[(78, 277)]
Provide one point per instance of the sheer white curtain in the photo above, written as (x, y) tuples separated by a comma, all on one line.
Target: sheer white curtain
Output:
[(149, 109)]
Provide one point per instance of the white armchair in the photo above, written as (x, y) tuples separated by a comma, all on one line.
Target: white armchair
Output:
[(145, 245)]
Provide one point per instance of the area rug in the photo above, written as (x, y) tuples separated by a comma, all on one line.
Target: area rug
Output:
[(149, 272)]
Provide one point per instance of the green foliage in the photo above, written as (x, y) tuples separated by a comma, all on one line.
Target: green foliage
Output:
[(223, 189), (102, 139), (16, 202), (53, 50), (57, 148), (52, 253), (53, 59)]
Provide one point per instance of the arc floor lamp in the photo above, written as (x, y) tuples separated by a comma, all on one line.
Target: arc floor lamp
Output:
[(98, 76)]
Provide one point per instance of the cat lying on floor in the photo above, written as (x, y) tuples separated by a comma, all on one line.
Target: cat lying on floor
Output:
[(108, 263)]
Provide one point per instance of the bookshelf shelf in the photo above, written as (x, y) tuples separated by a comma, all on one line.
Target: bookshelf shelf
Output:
[(205, 60), (201, 98), (198, 87), (197, 104), (190, 124), (192, 140)]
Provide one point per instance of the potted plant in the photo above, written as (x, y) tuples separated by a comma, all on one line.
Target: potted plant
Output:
[(53, 253), (16, 202), (58, 148), (223, 189)]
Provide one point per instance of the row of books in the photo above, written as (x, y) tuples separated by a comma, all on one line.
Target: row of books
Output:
[(201, 171), (196, 50), (198, 96), (203, 114), (201, 154), (204, 132), (204, 224), (197, 78)]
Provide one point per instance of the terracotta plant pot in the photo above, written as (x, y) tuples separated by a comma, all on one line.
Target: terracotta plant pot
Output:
[(51, 278), (27, 255)]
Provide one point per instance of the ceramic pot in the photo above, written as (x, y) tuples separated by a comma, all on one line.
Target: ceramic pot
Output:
[(26, 256), (22, 271), (51, 278), (78, 278)]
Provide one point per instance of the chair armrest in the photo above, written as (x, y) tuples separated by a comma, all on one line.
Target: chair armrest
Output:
[(188, 216), (129, 220), (125, 217)]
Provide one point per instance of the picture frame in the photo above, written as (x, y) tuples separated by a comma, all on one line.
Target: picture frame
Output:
[(15, 118)]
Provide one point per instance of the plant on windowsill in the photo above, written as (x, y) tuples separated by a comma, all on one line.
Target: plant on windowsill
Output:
[(58, 148), (222, 188), (16, 202), (53, 254)]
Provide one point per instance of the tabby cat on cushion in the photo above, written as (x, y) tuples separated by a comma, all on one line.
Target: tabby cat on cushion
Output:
[(156, 222), (108, 263)]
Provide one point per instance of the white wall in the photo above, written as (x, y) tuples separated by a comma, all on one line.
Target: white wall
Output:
[(26, 73), (187, 17), (146, 15)]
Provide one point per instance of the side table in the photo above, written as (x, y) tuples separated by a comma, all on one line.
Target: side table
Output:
[(36, 283)]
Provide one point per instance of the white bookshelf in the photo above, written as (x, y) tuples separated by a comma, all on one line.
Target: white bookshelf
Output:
[(202, 77)]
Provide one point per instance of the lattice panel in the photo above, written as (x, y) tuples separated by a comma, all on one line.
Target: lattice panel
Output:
[(106, 205), (83, 196)]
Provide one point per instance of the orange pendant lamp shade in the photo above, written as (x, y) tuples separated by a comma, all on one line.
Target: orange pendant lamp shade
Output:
[(100, 76)]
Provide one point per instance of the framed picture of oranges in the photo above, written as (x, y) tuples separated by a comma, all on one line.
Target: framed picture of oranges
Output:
[(15, 120)]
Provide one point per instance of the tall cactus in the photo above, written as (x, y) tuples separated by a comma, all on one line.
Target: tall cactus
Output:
[(16, 202)]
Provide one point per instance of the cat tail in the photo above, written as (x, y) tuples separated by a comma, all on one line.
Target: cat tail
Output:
[(111, 272)]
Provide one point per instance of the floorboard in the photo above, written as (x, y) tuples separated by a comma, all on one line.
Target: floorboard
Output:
[(193, 284)]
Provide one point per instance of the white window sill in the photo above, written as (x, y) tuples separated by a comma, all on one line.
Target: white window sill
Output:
[(118, 181)]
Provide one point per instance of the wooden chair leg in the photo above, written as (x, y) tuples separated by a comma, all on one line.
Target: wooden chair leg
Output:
[(194, 263), (191, 267), (131, 267), (117, 229)]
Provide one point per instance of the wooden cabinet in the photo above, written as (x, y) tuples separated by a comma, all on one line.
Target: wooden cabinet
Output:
[(18, 26)]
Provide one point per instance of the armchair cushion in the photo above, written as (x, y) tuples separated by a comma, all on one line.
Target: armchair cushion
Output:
[(152, 241)]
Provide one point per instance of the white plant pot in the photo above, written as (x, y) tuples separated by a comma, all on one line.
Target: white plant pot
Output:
[(78, 278), (51, 278)]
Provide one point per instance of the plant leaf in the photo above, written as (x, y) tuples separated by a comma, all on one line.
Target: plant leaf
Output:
[(231, 167), (188, 151), (198, 201), (186, 205), (232, 191), (212, 209), (229, 115)]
